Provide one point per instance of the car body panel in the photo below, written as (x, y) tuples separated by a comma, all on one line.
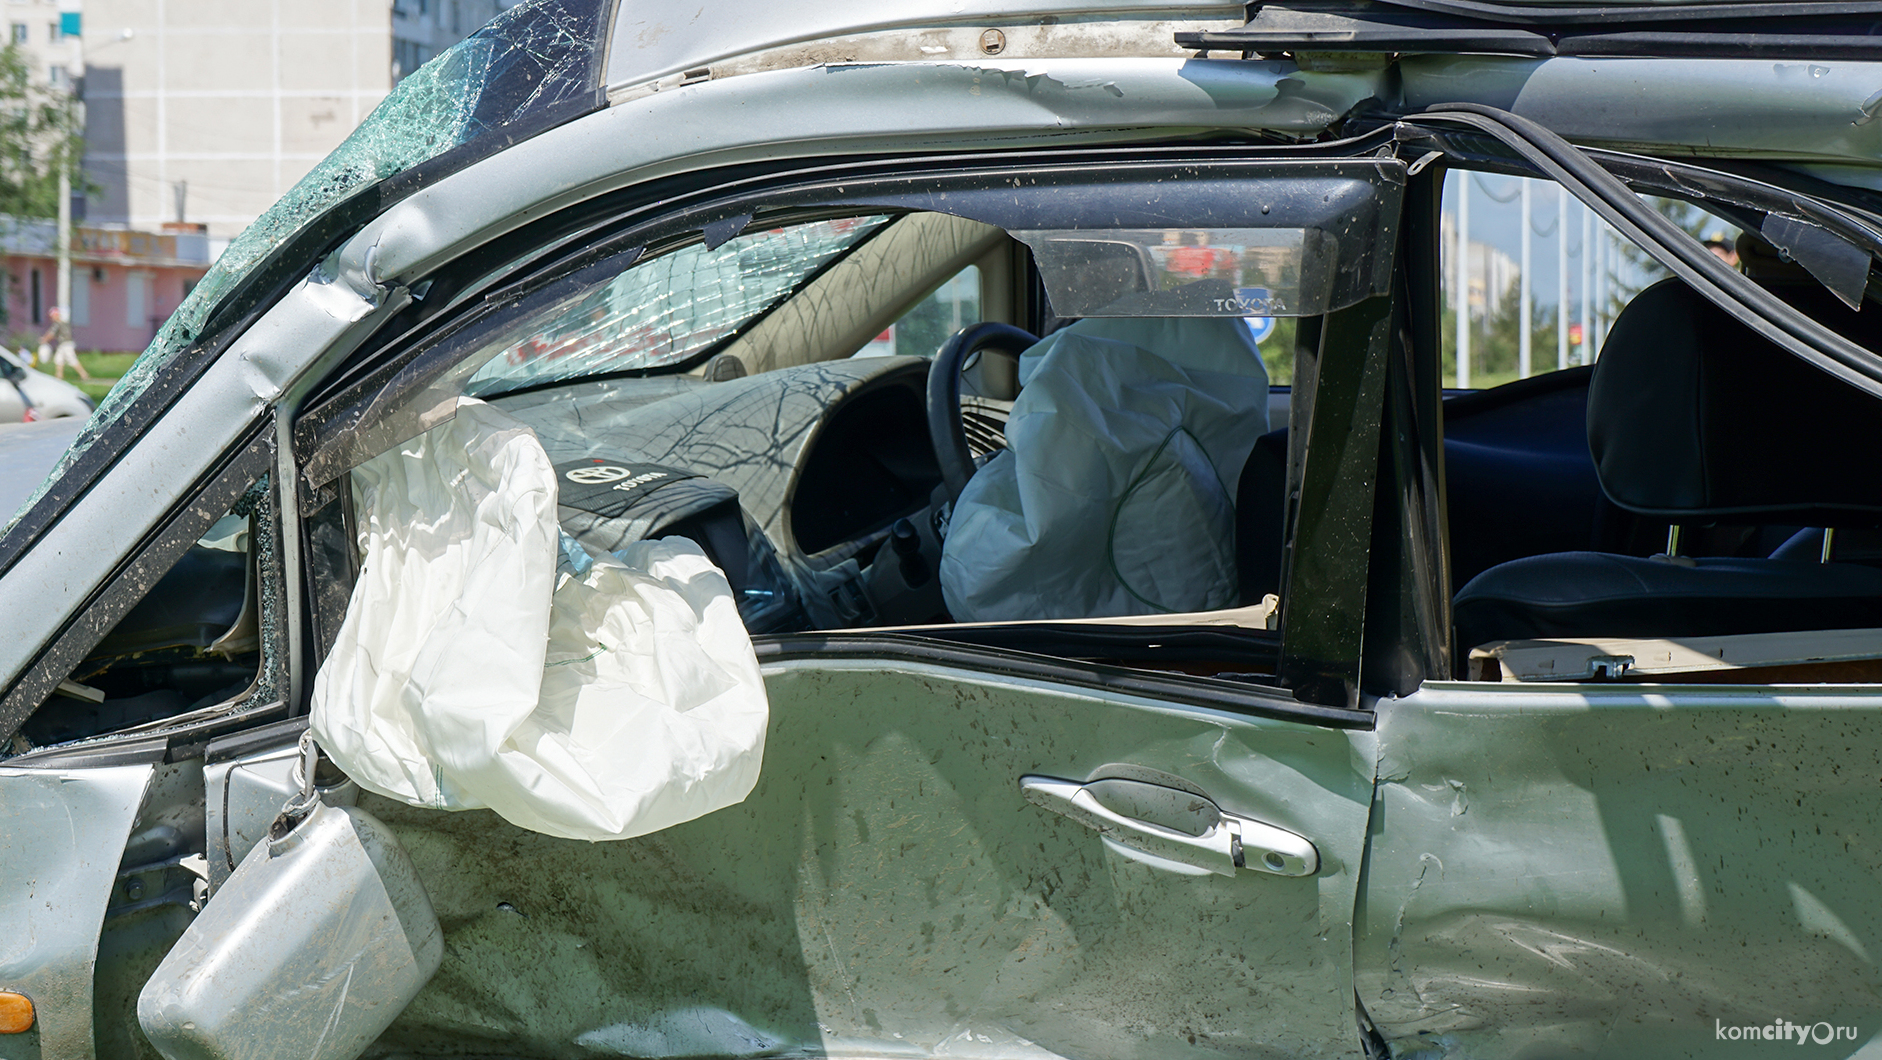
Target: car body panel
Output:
[(847, 109), (1799, 112), (648, 44), (61, 836), (1607, 871), (887, 891)]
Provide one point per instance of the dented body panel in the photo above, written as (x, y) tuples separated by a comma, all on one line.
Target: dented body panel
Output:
[(887, 890), (1782, 111), (648, 43), (1562, 870), (1497, 871), (62, 832)]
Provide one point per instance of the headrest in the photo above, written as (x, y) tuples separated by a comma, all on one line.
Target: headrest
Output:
[(1693, 416)]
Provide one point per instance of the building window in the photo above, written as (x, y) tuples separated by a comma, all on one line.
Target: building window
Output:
[(55, 76), (52, 32), (19, 33), (81, 297), (407, 56), (39, 295), (398, 9), (136, 299)]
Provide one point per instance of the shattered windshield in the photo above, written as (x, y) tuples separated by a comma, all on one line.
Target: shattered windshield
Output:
[(665, 311), (529, 68)]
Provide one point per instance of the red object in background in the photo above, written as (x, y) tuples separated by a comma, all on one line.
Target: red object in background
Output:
[(1574, 334), (1199, 261), (32, 416)]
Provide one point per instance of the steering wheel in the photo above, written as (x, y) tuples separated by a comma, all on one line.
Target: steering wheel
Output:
[(945, 429)]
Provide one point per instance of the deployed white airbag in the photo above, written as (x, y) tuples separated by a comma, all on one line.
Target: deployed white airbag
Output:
[(486, 660), (1116, 494)]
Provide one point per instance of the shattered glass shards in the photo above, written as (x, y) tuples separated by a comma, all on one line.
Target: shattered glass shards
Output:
[(528, 69), (664, 311)]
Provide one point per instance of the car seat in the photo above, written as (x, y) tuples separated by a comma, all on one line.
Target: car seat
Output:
[(1679, 423)]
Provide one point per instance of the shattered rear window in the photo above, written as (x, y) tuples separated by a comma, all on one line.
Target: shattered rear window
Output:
[(530, 67), (665, 311)]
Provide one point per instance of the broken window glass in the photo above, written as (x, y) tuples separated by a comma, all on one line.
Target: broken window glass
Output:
[(671, 308), (530, 68), (202, 641)]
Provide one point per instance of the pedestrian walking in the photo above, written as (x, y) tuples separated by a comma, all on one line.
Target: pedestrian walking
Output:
[(64, 353)]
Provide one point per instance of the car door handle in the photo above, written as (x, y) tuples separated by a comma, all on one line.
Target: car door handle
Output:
[(1174, 825)]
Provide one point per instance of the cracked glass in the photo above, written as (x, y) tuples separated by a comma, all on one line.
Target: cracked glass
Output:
[(666, 311), (529, 68)]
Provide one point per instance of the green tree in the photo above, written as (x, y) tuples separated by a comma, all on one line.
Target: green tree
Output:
[(1637, 270), (38, 134)]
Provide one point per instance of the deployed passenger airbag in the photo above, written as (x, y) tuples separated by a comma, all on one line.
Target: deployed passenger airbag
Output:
[(487, 660)]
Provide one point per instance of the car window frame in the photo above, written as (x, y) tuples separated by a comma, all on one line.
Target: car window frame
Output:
[(1739, 191), (198, 508), (379, 379)]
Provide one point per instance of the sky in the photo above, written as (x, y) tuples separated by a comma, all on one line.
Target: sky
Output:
[(1496, 223)]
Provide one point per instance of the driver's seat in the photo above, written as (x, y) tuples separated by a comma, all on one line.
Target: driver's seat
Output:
[(1115, 495)]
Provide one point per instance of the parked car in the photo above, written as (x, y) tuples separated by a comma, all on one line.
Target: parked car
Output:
[(1504, 729), (28, 394)]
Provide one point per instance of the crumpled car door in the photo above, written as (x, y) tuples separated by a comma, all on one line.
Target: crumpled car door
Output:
[(890, 889), (1616, 870)]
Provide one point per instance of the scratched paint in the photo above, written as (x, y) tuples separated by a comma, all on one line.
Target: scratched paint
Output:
[(1616, 872), (887, 892)]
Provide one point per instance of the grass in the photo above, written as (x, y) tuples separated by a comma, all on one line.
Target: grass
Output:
[(105, 368)]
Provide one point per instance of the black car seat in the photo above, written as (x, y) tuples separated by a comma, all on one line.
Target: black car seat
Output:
[(1694, 418), (1519, 482)]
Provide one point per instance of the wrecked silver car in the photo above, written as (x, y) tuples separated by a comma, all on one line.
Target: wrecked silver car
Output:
[(1133, 687)]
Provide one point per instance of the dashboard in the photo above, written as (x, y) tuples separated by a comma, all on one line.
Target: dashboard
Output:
[(824, 458)]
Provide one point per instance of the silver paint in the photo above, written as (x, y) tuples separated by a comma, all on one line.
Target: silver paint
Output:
[(62, 833)]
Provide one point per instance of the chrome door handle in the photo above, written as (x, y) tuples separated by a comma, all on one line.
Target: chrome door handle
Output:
[(1194, 831)]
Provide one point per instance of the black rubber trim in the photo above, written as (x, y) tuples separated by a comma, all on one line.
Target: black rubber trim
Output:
[(1685, 257), (1744, 31), (1723, 185), (1623, 14), (1145, 646), (253, 741), (1117, 680)]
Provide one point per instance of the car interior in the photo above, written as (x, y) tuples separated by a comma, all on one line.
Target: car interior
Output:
[(809, 398)]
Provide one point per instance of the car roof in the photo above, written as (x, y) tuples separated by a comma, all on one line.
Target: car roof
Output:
[(652, 41)]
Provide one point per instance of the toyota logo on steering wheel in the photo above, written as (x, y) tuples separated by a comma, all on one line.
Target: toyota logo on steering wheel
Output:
[(595, 476)]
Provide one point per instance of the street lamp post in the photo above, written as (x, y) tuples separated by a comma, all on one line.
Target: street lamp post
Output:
[(71, 29)]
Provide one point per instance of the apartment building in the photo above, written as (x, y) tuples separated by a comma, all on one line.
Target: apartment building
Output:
[(204, 112), (48, 32)]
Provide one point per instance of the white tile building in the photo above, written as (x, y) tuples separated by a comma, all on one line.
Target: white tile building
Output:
[(207, 111)]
